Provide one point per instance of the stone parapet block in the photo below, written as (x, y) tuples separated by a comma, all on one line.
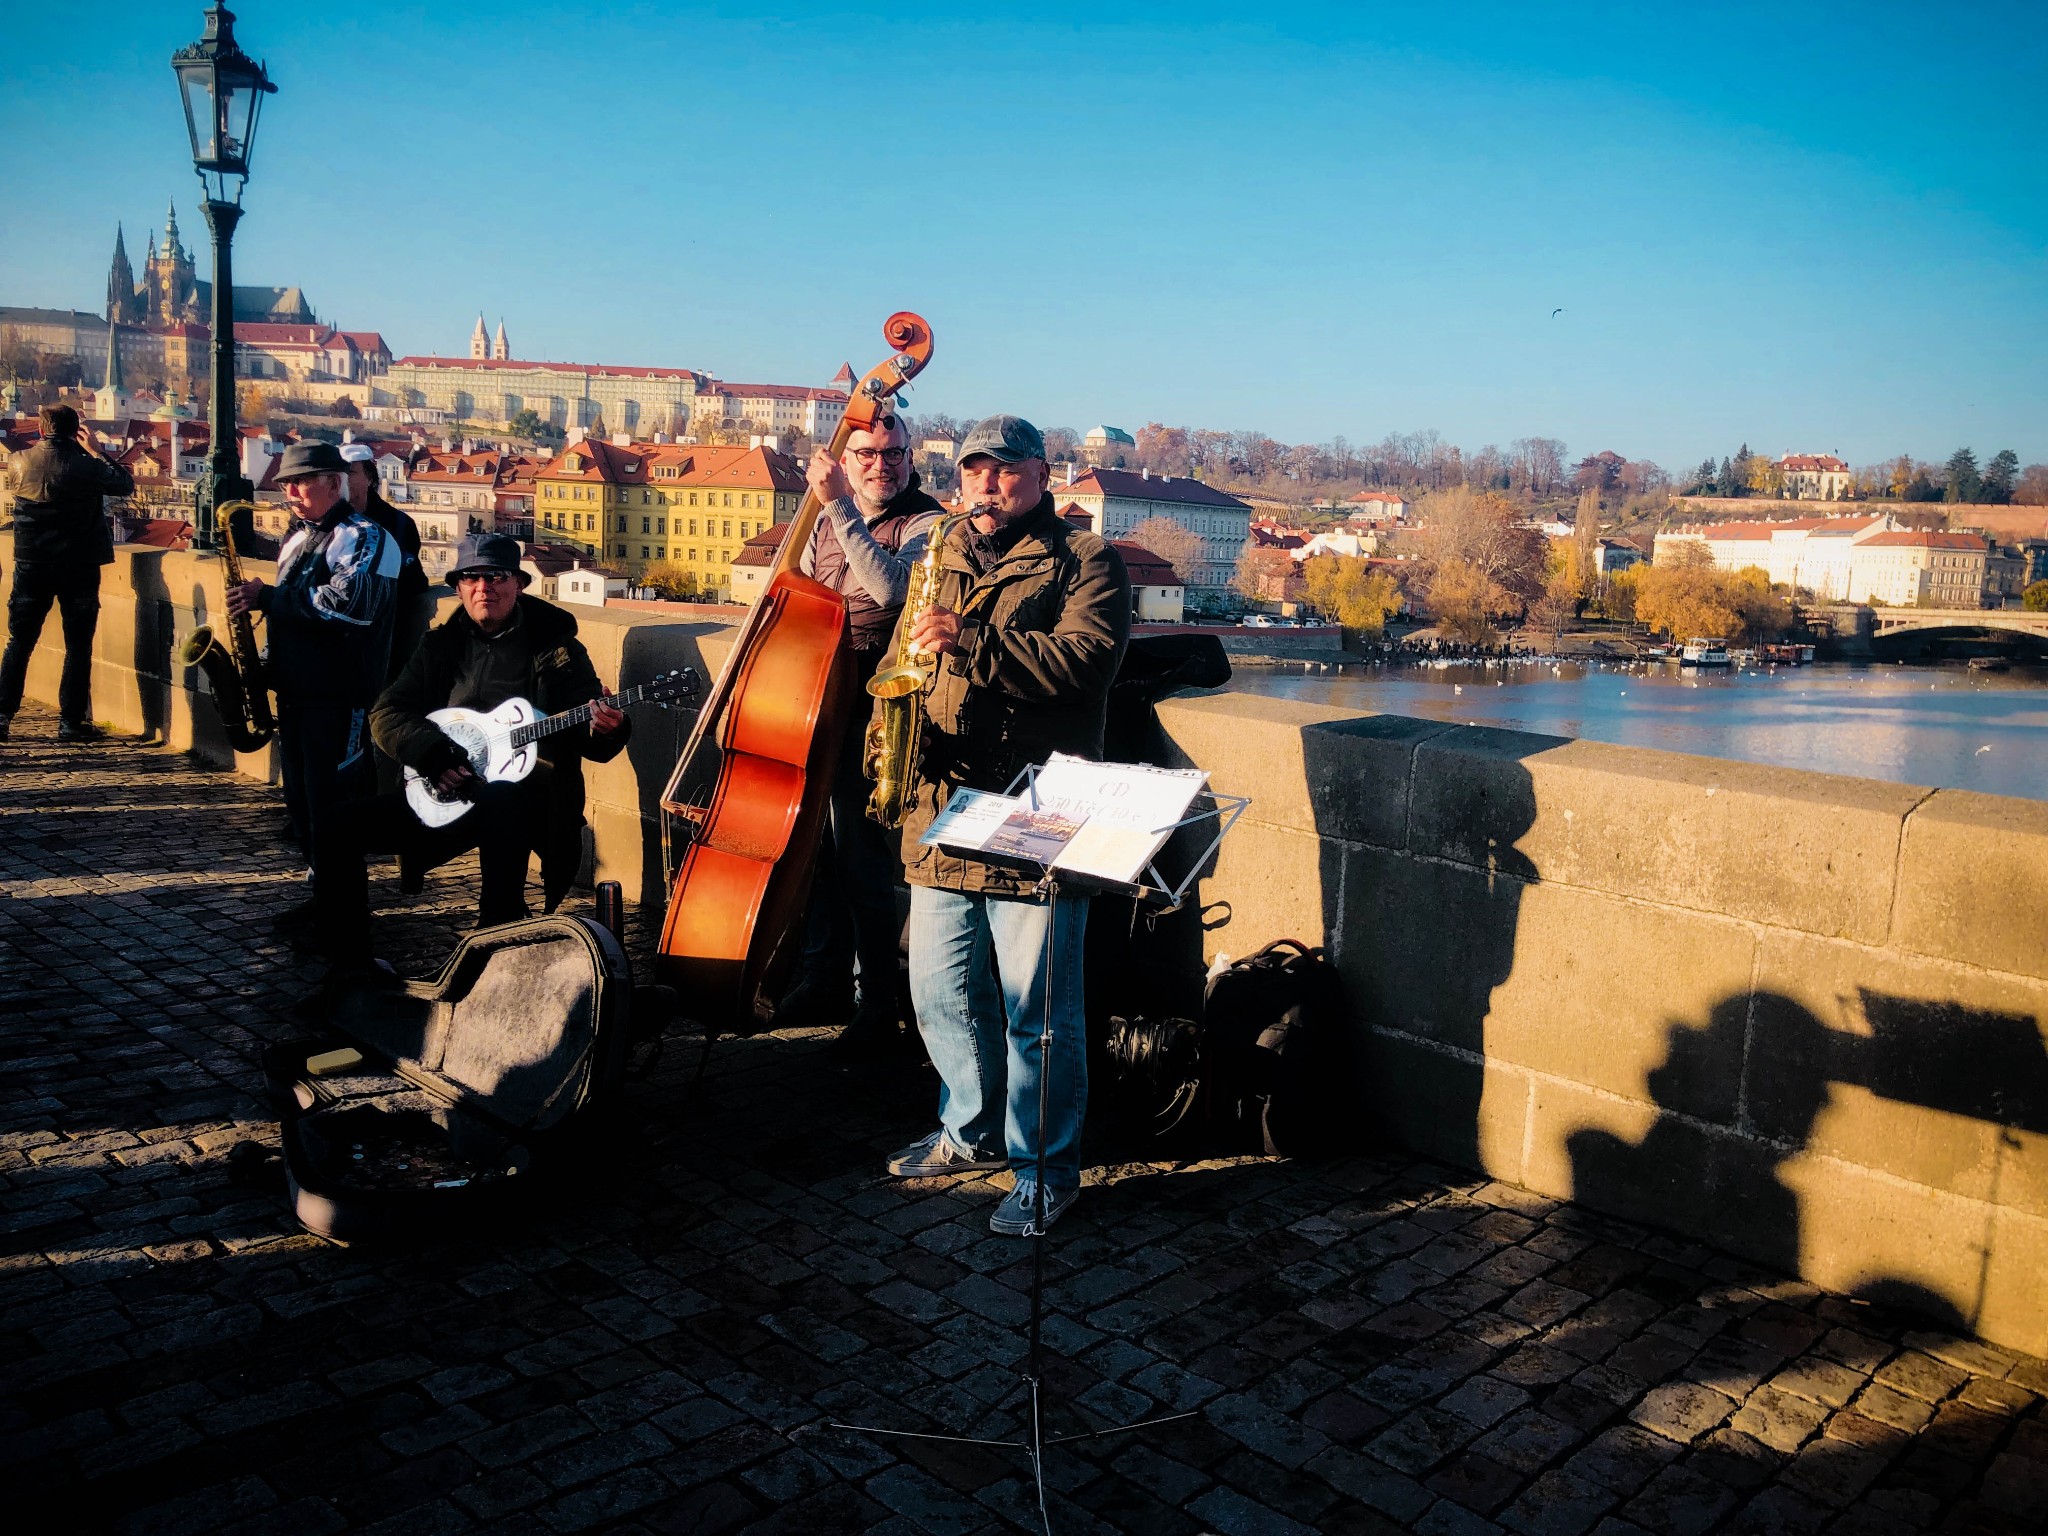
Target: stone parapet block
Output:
[(1772, 845), (1973, 882)]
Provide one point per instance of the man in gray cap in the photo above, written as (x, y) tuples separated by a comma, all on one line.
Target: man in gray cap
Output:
[(329, 625), (1030, 622), (500, 643)]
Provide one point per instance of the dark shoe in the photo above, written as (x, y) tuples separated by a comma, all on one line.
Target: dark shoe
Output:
[(79, 731), (1017, 1216), (874, 1035), (937, 1156), (809, 1004), (5, 722)]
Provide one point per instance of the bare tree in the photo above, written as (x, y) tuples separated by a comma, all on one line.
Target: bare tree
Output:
[(1179, 547)]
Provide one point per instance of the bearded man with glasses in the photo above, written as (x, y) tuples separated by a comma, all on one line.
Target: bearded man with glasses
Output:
[(500, 643), (870, 536)]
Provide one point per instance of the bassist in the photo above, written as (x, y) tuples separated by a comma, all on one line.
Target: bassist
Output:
[(499, 644)]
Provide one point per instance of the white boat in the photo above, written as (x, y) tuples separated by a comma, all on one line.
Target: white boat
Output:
[(1703, 653)]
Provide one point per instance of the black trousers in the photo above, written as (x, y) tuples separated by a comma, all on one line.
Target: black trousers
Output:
[(324, 760), (502, 825), (74, 587)]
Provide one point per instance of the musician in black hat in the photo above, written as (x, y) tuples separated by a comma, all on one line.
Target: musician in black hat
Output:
[(501, 643), (329, 624)]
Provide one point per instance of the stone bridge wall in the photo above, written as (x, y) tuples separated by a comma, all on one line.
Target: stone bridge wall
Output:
[(1799, 1016)]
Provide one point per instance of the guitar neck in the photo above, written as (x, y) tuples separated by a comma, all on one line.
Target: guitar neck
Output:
[(568, 719)]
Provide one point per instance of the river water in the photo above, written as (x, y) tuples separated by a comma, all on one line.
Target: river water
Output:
[(1943, 726)]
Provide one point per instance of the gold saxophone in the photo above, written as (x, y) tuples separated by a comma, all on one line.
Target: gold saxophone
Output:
[(895, 736), (234, 672)]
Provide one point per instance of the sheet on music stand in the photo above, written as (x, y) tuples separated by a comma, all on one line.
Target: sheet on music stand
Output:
[(1100, 820)]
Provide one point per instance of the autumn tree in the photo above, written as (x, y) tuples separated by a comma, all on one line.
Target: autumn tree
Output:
[(1350, 591), (2035, 598), (2031, 489), (1483, 534), (670, 579), (1620, 598), (1689, 600), (1262, 573)]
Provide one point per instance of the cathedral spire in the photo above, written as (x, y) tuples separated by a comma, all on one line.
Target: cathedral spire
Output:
[(120, 281), (113, 358), (171, 246), (501, 349), (479, 339)]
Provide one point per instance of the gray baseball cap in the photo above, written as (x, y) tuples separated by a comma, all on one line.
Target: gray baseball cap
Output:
[(1009, 438)]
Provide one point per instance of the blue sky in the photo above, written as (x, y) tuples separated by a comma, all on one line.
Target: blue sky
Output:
[(1814, 228)]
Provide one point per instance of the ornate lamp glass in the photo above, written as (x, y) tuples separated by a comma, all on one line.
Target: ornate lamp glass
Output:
[(223, 89)]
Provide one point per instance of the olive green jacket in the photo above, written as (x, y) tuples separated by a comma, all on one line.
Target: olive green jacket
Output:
[(1044, 630)]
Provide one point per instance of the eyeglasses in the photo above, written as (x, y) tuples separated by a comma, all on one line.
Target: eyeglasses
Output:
[(488, 578), (867, 456)]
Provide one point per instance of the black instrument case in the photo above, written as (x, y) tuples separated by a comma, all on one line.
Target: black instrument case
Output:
[(429, 1103)]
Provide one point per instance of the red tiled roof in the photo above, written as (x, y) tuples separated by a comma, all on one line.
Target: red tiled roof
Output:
[(1919, 538), (1393, 496), (779, 392), (1145, 567), (1130, 485), (614, 370), (1812, 461)]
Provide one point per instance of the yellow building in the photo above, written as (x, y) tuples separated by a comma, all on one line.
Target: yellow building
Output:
[(628, 505)]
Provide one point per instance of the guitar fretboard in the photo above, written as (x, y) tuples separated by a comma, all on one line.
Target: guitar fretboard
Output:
[(568, 719)]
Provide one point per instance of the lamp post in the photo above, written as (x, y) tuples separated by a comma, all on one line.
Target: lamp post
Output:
[(223, 90)]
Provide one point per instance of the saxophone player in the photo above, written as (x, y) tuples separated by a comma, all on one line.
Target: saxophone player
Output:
[(870, 535), (1029, 622)]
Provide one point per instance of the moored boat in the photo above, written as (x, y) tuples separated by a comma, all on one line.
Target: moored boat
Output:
[(1702, 652)]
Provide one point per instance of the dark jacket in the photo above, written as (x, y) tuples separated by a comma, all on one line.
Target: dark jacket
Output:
[(558, 676), (59, 507), (1045, 628), (412, 581), (329, 616)]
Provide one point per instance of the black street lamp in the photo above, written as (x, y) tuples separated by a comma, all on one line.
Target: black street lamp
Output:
[(223, 89)]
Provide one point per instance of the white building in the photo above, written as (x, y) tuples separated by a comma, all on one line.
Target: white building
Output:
[(1850, 559), (1109, 447), (1118, 500), (1814, 477), (589, 585)]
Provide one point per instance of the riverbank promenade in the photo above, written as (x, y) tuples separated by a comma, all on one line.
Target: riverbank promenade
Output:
[(1372, 1344)]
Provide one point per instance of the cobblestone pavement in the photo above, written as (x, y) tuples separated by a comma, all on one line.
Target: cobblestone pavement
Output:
[(1369, 1345)]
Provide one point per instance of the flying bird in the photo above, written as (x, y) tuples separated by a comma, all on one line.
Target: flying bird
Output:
[(1557, 311)]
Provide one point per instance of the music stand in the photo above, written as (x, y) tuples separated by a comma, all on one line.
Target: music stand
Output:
[(1150, 887)]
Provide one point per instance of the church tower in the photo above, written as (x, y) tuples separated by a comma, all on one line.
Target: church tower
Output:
[(479, 339), (121, 305), (110, 400), (501, 350)]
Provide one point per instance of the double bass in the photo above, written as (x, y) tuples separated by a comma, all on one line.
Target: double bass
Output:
[(776, 714)]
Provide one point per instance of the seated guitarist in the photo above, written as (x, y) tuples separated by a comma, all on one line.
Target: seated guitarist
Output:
[(499, 644)]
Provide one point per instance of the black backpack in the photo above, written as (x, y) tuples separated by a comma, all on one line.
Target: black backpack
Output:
[(1275, 1058)]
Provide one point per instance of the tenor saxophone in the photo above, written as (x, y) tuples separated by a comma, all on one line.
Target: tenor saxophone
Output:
[(895, 738), (234, 672)]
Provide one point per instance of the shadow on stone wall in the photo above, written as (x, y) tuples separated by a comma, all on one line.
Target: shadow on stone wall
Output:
[(1726, 1181)]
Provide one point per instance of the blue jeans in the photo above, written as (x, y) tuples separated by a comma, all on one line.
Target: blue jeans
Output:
[(977, 976)]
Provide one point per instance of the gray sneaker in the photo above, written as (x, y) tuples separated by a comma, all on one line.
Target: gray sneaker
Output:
[(1017, 1216), (937, 1156)]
